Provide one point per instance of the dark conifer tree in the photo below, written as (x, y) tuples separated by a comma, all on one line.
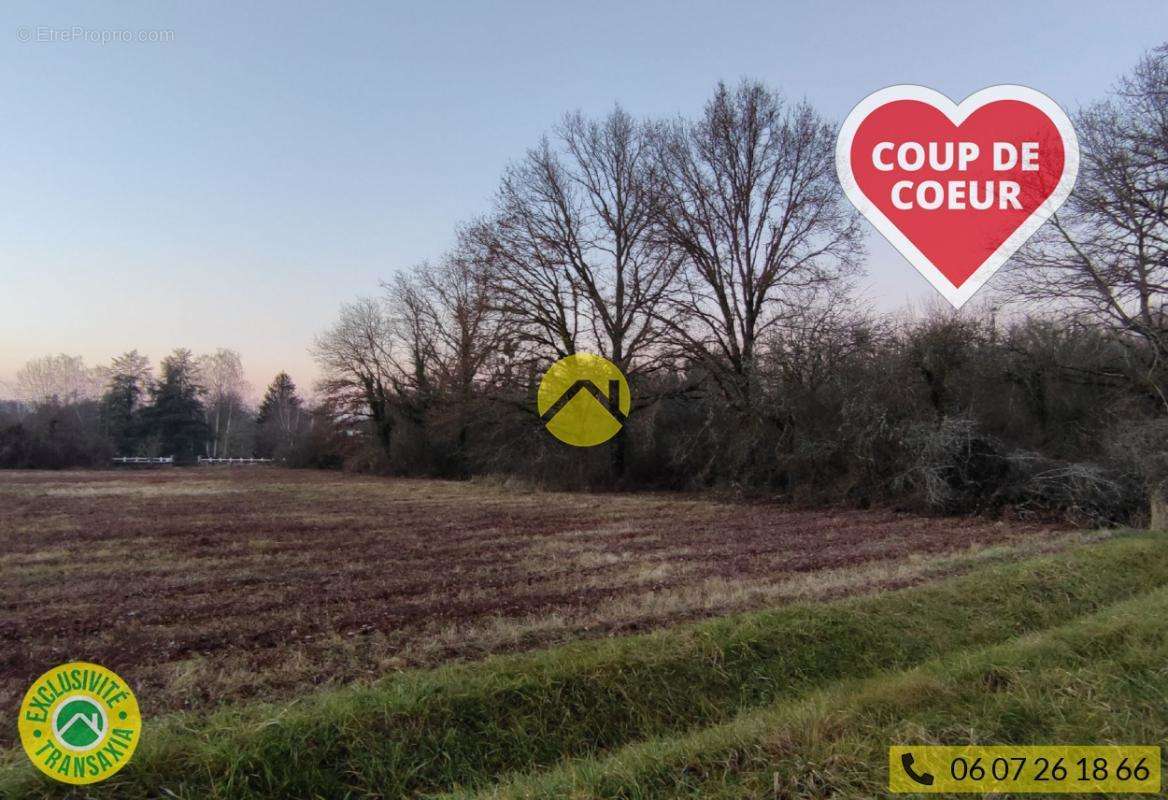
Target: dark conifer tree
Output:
[(123, 402), (175, 416), (280, 417), (118, 405)]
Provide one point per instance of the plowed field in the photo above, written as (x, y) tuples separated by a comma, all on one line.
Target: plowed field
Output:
[(201, 586)]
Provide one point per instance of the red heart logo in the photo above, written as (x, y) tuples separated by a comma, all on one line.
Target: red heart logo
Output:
[(957, 189)]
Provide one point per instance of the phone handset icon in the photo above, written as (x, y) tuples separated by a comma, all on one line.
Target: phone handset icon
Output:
[(906, 761)]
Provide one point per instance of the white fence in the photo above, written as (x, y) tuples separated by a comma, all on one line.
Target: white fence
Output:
[(170, 460), (234, 460)]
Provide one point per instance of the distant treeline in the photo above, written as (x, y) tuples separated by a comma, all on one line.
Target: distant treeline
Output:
[(71, 415)]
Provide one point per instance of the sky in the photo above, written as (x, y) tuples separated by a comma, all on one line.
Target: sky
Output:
[(214, 175)]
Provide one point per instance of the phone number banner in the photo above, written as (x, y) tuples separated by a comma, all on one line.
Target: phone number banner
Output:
[(1054, 769)]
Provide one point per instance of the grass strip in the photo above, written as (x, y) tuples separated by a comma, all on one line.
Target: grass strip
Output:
[(462, 726), (1098, 680)]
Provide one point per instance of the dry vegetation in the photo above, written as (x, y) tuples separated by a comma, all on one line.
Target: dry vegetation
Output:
[(205, 586)]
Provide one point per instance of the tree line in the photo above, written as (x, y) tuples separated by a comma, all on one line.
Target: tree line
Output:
[(716, 262), (69, 414)]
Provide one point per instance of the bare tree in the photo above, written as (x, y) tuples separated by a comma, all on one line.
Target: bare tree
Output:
[(456, 340), (463, 331), (59, 379), (222, 377), (358, 365), (428, 344), (1103, 258), (572, 244), (752, 202)]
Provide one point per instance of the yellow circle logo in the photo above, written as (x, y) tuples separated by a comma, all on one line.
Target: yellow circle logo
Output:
[(79, 723), (583, 400)]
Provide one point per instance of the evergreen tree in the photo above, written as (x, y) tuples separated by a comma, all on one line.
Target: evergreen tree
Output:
[(280, 417), (176, 416), (121, 405), (118, 404)]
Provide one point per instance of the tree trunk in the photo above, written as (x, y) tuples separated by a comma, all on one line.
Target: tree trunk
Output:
[(1157, 506), (619, 453)]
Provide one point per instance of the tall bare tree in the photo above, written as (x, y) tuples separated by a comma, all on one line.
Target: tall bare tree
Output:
[(359, 369), (572, 241), (1103, 258), (462, 331), (573, 248), (751, 200), (456, 339), (222, 378)]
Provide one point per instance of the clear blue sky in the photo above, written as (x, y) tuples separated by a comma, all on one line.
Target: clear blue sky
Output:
[(233, 186)]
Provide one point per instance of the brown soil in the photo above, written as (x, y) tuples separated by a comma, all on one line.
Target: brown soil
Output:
[(205, 585)]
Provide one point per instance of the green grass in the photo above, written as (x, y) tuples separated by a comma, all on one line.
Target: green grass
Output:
[(1100, 679), (464, 726)]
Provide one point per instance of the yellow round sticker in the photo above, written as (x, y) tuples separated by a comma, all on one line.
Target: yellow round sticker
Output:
[(583, 400), (79, 723)]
